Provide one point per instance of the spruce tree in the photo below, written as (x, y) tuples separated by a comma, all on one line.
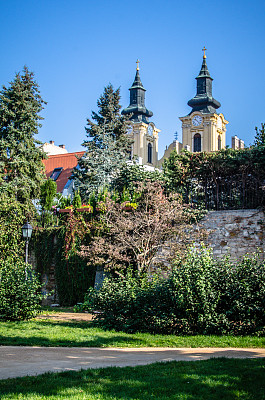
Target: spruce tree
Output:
[(260, 136), (21, 167), (107, 145)]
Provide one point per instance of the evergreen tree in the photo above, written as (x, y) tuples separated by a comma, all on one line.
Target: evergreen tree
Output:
[(107, 145), (21, 167), (260, 136), (47, 194)]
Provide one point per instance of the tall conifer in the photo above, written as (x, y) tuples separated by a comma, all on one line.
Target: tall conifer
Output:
[(260, 136), (21, 167), (107, 145)]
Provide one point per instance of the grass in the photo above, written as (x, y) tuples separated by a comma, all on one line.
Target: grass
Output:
[(222, 379), (44, 332)]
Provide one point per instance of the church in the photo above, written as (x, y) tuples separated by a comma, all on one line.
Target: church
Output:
[(203, 129)]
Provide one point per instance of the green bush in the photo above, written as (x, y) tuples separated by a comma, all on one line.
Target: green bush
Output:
[(19, 291), (200, 296)]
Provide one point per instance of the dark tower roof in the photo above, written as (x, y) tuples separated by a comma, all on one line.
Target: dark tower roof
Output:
[(137, 101), (204, 101)]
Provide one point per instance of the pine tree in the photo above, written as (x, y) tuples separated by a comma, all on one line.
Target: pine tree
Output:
[(260, 136), (107, 145), (21, 167)]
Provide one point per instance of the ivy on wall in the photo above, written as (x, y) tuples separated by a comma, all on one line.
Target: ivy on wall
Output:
[(58, 247)]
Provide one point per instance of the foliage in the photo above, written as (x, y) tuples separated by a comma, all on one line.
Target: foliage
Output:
[(134, 230), (19, 291), (47, 194), (200, 296), (58, 247), (77, 202), (260, 136), (107, 145), (21, 167), (130, 174), (226, 179), (12, 218)]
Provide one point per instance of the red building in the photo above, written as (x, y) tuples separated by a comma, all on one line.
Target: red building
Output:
[(59, 167)]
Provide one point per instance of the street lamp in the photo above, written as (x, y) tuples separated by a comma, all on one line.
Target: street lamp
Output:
[(27, 232)]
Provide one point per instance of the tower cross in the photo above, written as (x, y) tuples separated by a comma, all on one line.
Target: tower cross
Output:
[(137, 62), (204, 49)]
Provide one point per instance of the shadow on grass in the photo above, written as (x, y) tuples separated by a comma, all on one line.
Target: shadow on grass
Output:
[(87, 334), (221, 379), (73, 334)]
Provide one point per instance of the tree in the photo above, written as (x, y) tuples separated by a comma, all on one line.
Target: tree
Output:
[(107, 145), (47, 195), (134, 232), (260, 136), (130, 173), (12, 217), (21, 167)]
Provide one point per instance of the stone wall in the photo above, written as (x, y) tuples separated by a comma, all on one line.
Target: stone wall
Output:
[(234, 232)]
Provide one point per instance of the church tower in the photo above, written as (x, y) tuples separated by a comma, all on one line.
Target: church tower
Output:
[(203, 129), (143, 132)]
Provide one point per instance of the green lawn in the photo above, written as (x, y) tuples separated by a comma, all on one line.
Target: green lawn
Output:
[(221, 379), (83, 334)]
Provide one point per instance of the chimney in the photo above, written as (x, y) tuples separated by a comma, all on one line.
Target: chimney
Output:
[(62, 146), (51, 141)]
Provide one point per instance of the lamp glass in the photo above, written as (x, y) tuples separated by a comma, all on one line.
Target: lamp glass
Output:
[(27, 230)]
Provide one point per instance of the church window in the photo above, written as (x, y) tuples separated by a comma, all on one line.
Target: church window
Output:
[(219, 143), (149, 153), (197, 142)]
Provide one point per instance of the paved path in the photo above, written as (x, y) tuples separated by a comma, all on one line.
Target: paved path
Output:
[(21, 361)]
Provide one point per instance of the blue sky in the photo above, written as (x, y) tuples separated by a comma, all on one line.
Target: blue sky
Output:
[(76, 47)]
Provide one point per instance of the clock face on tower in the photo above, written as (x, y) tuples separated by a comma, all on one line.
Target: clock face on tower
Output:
[(197, 120), (150, 130)]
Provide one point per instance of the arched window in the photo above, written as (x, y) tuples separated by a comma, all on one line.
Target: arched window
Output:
[(197, 142), (149, 153), (219, 143)]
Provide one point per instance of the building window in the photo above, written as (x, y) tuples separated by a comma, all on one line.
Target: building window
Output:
[(197, 142), (55, 173), (219, 143), (149, 153)]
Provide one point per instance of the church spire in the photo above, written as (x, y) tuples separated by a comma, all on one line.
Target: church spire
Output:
[(204, 101), (137, 100)]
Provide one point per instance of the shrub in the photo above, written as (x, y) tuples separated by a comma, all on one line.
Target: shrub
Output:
[(200, 296), (243, 296), (19, 291)]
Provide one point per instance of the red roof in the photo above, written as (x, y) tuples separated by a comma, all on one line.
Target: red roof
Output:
[(66, 161)]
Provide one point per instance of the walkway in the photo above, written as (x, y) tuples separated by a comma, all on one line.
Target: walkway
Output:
[(18, 361)]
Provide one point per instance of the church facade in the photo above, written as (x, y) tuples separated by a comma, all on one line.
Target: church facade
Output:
[(203, 129)]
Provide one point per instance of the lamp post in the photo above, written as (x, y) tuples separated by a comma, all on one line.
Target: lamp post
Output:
[(27, 232)]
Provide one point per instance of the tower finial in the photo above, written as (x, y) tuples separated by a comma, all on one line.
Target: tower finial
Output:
[(204, 49), (137, 62)]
